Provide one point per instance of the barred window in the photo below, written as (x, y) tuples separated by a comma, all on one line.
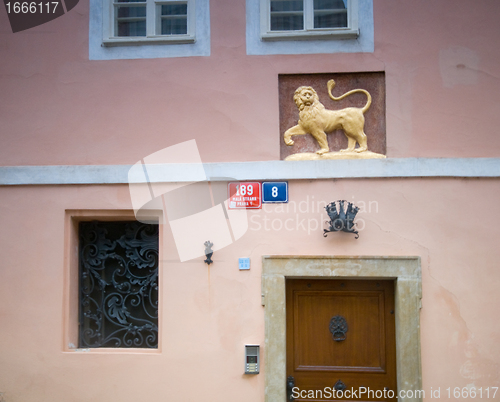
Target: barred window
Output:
[(118, 284)]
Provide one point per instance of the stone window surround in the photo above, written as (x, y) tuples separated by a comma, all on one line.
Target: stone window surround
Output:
[(109, 20), (309, 32), (406, 271), (147, 48), (72, 217), (364, 42)]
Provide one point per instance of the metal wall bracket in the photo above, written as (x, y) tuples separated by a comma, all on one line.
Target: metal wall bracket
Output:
[(208, 252), (343, 220)]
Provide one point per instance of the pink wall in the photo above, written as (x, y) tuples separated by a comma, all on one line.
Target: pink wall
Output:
[(57, 107), (209, 314)]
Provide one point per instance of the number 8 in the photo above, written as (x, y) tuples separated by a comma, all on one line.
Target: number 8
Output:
[(274, 191)]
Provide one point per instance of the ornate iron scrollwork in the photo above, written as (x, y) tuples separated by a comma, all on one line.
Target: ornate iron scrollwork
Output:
[(343, 220), (338, 328), (118, 284)]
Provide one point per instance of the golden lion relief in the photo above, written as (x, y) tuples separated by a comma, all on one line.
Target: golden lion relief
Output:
[(316, 120)]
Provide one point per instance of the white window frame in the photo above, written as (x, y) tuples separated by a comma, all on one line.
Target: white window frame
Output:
[(152, 21), (309, 32)]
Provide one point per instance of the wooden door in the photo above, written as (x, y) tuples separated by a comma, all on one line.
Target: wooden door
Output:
[(341, 333)]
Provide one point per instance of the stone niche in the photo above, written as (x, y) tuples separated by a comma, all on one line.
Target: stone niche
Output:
[(373, 82)]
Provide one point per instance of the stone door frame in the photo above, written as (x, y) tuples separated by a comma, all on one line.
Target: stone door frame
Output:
[(407, 274)]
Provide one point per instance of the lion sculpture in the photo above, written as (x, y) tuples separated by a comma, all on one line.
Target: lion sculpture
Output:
[(317, 121)]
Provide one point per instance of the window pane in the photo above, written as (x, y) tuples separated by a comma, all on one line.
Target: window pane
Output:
[(129, 12), (329, 4), (287, 5), (287, 15), (173, 19), (287, 23), (174, 9), (130, 20), (132, 28), (174, 26), (118, 263), (330, 14)]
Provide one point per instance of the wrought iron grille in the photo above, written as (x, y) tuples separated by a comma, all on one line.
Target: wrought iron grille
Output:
[(118, 264)]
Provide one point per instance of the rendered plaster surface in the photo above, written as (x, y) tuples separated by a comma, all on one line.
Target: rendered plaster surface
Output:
[(405, 271), (60, 108), (210, 313)]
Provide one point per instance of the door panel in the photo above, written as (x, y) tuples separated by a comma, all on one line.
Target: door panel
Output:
[(362, 356)]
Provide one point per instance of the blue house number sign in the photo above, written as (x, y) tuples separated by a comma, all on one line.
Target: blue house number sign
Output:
[(275, 191)]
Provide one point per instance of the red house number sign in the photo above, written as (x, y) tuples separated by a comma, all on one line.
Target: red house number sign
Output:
[(245, 195)]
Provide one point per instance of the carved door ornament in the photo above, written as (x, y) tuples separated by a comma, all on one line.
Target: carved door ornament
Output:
[(338, 328), (316, 120)]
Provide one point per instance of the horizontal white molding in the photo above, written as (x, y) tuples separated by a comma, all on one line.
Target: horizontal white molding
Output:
[(259, 171)]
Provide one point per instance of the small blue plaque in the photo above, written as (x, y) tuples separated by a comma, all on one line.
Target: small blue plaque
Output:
[(275, 191), (244, 263)]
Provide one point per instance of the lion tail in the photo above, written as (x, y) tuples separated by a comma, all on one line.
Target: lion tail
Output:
[(330, 86)]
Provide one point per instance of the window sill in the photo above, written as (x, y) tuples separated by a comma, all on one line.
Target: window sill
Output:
[(131, 351), (178, 39), (311, 35)]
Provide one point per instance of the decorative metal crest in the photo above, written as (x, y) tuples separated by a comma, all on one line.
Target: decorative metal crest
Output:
[(338, 328), (208, 252), (118, 284), (343, 220)]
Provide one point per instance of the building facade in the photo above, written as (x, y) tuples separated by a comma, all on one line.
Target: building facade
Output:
[(147, 111)]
